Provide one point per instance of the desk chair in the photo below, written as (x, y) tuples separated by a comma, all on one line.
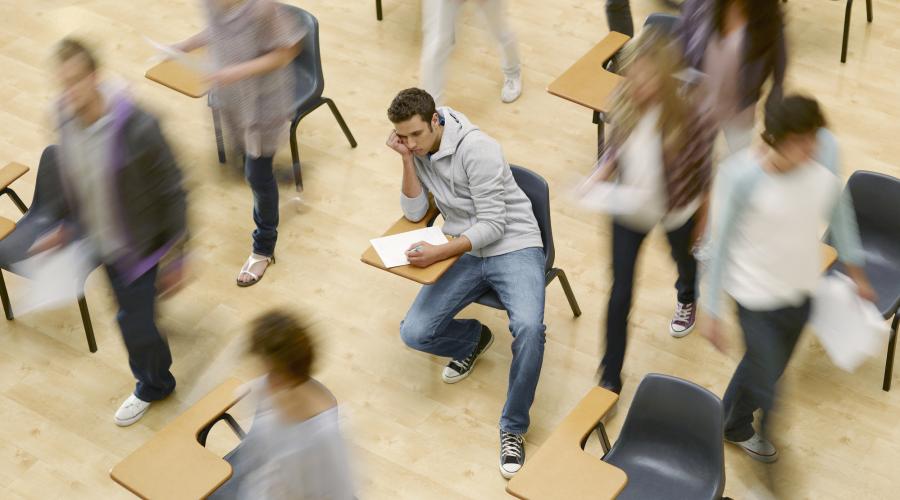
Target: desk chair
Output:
[(310, 83), (44, 214), (847, 11), (671, 444), (876, 201), (537, 190), (561, 468)]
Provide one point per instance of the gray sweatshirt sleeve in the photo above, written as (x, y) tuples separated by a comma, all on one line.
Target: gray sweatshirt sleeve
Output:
[(414, 208), (484, 166), (843, 229)]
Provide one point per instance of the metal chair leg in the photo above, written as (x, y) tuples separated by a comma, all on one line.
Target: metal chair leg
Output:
[(86, 321), (15, 199), (889, 363), (604, 439), (869, 10), (204, 434), (4, 297), (846, 30), (570, 296), (378, 9), (220, 141), (295, 156), (340, 120), (601, 134)]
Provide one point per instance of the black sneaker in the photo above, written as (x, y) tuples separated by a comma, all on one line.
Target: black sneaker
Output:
[(459, 369), (512, 453)]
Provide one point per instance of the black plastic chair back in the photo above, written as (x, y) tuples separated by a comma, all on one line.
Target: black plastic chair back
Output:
[(876, 201), (663, 21), (46, 209), (671, 444), (309, 80), (536, 189)]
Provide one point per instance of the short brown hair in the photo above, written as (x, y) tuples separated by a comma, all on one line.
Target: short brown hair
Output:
[(411, 102), (279, 338), (793, 115), (70, 47)]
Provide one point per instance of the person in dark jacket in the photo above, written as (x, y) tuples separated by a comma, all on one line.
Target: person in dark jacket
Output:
[(738, 45), (123, 196)]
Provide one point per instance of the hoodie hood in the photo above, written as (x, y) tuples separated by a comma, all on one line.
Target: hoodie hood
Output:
[(456, 128)]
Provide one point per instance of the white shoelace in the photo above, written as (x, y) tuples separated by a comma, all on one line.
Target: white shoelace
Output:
[(683, 312), (511, 445)]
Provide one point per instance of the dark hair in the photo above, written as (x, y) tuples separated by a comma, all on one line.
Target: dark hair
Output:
[(70, 47), (409, 103), (764, 21), (280, 339), (794, 115)]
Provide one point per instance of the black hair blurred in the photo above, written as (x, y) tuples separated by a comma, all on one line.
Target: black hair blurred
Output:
[(794, 115)]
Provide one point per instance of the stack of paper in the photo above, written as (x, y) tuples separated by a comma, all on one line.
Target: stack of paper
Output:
[(850, 329), (392, 249)]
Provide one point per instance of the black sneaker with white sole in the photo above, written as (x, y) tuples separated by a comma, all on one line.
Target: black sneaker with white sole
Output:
[(458, 369), (512, 453)]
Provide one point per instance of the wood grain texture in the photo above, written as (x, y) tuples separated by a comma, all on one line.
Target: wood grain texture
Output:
[(412, 436)]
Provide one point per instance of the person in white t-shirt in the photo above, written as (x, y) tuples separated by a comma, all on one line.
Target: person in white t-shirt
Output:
[(769, 207)]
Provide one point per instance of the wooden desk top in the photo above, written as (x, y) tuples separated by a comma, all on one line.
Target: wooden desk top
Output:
[(178, 77), (6, 226), (173, 465), (424, 275), (586, 82), (11, 172), (829, 257), (561, 469)]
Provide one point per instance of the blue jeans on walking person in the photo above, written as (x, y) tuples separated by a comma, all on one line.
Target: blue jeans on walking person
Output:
[(261, 177), (770, 337), (518, 280), (148, 352)]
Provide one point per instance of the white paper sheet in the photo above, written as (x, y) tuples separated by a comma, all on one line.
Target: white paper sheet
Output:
[(192, 62), (392, 249), (612, 198), (55, 278), (849, 328)]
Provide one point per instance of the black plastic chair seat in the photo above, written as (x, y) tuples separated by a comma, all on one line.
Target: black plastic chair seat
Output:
[(885, 278), (490, 299), (671, 444)]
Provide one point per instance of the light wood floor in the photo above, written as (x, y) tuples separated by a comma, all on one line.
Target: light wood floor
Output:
[(412, 436)]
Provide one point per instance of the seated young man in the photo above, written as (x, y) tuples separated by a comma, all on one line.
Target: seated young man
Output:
[(499, 241)]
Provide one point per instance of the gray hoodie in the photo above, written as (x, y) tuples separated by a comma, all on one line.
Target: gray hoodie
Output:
[(475, 191)]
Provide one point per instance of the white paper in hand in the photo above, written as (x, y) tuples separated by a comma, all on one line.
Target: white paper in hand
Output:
[(392, 249), (849, 328), (55, 278), (195, 63), (613, 198)]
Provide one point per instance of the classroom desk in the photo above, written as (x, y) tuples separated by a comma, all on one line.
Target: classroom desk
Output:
[(587, 82), (173, 465), (561, 468), (179, 78), (829, 257), (6, 226), (424, 275)]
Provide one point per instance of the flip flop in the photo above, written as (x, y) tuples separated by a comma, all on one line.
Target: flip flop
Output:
[(252, 261)]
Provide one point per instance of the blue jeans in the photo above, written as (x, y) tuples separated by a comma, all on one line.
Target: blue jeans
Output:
[(148, 352), (518, 280), (261, 178), (770, 337)]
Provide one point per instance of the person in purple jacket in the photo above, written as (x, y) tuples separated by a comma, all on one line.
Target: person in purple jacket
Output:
[(123, 196), (738, 45)]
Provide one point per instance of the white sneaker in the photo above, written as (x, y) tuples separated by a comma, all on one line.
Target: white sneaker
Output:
[(512, 88), (758, 448), (131, 411)]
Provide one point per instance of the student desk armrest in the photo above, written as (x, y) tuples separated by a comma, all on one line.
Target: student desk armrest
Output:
[(11, 172)]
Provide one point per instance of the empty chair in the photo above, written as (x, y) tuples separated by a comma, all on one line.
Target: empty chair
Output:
[(309, 85), (535, 187), (671, 444), (45, 212), (876, 201)]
